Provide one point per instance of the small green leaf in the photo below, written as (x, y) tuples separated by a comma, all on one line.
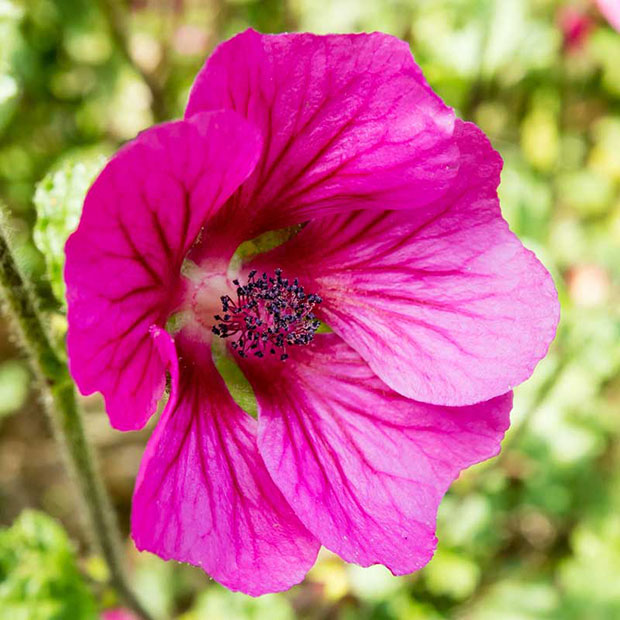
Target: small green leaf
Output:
[(58, 201), (14, 381), (39, 577)]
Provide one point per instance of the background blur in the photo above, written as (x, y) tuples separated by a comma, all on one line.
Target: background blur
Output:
[(535, 533)]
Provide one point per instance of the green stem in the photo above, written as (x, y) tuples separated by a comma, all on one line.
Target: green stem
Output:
[(66, 418)]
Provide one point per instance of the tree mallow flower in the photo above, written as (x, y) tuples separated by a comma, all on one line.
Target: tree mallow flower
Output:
[(395, 242)]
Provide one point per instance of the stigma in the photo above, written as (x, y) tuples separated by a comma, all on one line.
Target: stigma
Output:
[(270, 314)]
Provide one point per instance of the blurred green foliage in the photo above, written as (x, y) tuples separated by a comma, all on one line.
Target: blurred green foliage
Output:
[(532, 534), (39, 577)]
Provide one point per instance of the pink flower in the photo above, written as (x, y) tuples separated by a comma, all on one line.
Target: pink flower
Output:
[(118, 614), (437, 310), (576, 25), (611, 10)]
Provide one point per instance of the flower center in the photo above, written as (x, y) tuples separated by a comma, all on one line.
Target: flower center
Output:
[(270, 314)]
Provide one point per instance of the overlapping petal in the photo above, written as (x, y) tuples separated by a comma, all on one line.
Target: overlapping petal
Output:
[(446, 305), (203, 494), (363, 467), (347, 121), (123, 262)]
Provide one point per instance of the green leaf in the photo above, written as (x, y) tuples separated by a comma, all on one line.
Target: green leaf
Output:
[(39, 577), (58, 201)]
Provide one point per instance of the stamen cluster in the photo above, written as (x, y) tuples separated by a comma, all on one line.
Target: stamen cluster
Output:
[(270, 314)]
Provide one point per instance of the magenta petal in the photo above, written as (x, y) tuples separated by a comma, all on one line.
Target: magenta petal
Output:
[(203, 494), (363, 467), (123, 262), (446, 306), (348, 121)]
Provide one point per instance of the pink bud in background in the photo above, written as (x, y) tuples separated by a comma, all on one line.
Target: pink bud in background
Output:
[(575, 25), (119, 613)]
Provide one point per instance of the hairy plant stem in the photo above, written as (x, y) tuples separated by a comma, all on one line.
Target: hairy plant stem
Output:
[(66, 418)]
